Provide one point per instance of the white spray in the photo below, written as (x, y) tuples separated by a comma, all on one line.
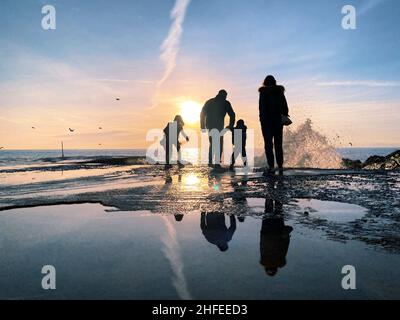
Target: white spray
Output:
[(306, 148)]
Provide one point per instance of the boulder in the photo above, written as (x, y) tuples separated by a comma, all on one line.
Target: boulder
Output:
[(352, 164), (390, 162)]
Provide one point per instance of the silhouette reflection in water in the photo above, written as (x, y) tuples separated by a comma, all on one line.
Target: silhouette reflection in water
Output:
[(239, 197), (274, 235), (215, 230)]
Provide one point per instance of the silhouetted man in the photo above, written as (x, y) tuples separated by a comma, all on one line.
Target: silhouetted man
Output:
[(213, 117), (215, 231)]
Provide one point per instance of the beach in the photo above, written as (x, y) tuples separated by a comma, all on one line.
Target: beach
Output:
[(130, 230), (199, 157)]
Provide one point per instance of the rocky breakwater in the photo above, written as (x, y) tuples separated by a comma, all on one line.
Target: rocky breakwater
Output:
[(389, 162)]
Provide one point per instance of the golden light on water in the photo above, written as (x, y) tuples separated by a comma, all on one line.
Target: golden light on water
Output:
[(190, 111)]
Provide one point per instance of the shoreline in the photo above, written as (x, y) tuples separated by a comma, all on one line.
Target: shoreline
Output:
[(151, 188)]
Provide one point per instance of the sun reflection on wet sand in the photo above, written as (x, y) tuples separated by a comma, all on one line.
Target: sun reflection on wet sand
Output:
[(191, 182)]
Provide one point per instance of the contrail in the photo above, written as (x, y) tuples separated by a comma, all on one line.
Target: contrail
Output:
[(170, 46), (369, 5), (172, 252)]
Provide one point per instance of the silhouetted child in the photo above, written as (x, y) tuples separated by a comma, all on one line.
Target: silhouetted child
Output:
[(239, 137), (171, 138)]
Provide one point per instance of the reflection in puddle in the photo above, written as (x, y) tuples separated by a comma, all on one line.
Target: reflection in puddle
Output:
[(172, 251), (327, 210), (257, 205), (274, 244), (330, 210), (102, 254), (214, 229)]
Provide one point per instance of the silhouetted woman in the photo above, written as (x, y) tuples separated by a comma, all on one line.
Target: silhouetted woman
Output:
[(272, 105)]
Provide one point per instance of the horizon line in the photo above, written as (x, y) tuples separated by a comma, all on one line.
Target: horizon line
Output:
[(354, 147)]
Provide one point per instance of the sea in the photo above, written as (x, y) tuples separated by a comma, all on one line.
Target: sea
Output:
[(11, 158)]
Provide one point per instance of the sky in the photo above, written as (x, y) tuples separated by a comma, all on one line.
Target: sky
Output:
[(155, 54)]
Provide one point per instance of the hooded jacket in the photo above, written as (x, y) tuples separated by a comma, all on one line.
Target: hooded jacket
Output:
[(272, 106)]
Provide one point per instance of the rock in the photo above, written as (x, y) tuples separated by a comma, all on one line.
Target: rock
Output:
[(393, 161), (352, 164), (390, 162), (374, 163)]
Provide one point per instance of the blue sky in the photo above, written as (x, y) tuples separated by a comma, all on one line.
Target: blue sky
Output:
[(347, 82)]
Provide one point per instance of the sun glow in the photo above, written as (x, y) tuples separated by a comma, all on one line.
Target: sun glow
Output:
[(190, 111), (191, 180)]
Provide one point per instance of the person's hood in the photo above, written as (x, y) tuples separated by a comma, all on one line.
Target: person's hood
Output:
[(267, 89), (220, 97)]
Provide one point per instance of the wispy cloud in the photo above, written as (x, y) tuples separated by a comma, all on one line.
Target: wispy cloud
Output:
[(124, 80), (170, 46), (369, 5), (359, 83)]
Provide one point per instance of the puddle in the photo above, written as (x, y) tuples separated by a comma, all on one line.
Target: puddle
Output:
[(330, 210), (256, 205), (327, 210), (101, 253), (40, 176)]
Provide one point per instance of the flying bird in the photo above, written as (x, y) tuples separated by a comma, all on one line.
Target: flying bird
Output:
[(117, 99), (100, 128), (71, 130), (33, 128), (350, 144)]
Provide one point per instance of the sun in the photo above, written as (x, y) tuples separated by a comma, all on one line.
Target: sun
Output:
[(190, 111)]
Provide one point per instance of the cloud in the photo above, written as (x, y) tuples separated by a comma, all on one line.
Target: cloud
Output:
[(170, 46), (369, 5), (124, 80), (360, 83)]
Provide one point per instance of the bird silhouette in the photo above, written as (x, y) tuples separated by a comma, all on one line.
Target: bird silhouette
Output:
[(350, 144), (100, 128), (117, 99), (71, 130), (33, 128)]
